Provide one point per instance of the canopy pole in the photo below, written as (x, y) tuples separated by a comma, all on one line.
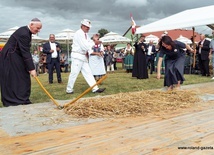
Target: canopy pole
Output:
[(193, 46)]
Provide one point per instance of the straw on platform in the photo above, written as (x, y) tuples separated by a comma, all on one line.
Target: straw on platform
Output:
[(132, 104)]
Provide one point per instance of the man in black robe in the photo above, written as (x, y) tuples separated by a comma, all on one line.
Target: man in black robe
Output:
[(139, 65), (16, 65)]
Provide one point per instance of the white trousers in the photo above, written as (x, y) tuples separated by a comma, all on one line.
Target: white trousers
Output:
[(77, 66), (110, 67)]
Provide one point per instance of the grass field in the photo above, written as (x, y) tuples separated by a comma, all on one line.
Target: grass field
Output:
[(116, 82)]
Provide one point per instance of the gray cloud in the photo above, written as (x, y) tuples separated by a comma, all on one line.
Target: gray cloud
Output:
[(113, 15)]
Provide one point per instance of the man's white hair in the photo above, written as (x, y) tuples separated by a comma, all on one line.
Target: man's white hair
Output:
[(35, 20)]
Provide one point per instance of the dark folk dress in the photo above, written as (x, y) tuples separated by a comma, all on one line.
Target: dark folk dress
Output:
[(174, 64), (129, 58), (15, 64), (139, 65)]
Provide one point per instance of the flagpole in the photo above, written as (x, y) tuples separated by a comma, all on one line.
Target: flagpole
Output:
[(133, 29)]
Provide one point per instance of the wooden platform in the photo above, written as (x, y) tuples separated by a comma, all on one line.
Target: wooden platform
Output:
[(192, 129), (121, 136)]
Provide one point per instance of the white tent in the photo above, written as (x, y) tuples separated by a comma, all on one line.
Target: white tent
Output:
[(65, 37), (4, 36), (114, 38), (37, 39), (184, 39), (151, 38), (188, 18)]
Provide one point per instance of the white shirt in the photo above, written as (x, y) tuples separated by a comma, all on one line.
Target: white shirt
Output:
[(53, 47), (81, 45), (202, 42), (35, 58), (150, 50), (130, 49), (212, 44)]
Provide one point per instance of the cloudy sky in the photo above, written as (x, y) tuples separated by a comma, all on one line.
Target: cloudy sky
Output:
[(113, 15)]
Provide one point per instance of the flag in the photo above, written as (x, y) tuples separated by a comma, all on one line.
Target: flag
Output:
[(133, 24)]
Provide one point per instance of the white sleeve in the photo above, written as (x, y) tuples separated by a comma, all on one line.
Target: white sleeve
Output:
[(125, 51), (102, 47), (91, 44), (81, 43)]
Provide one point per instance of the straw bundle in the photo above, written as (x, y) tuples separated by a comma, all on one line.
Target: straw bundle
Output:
[(132, 104)]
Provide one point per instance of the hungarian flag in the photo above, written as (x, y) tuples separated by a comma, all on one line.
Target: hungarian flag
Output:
[(133, 24)]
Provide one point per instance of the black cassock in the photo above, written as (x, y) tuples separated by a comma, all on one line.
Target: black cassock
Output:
[(139, 65), (15, 64)]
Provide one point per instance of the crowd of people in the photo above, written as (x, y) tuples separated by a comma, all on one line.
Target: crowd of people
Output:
[(93, 60)]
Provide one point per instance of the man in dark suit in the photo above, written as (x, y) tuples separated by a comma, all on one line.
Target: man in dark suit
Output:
[(203, 55), (16, 65), (150, 56), (52, 49)]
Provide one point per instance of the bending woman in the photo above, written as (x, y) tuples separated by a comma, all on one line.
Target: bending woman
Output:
[(174, 61)]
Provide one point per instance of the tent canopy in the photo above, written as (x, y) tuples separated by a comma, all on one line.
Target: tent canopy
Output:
[(188, 18), (151, 38), (184, 39), (7, 34), (114, 38), (65, 36), (4, 36)]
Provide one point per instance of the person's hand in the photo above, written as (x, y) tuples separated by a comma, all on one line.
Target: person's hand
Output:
[(193, 50), (142, 47), (57, 49), (102, 54), (33, 73), (51, 51), (98, 54), (158, 76), (210, 56)]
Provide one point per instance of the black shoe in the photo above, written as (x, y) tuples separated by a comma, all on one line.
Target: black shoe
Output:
[(100, 90), (69, 92), (50, 82), (26, 103), (59, 81)]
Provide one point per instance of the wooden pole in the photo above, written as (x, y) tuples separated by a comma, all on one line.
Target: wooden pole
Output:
[(193, 46), (86, 91), (43, 88)]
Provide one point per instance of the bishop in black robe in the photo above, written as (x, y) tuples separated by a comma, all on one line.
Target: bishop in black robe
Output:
[(15, 63)]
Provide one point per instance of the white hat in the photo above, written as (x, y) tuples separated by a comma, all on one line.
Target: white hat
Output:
[(86, 22), (165, 32)]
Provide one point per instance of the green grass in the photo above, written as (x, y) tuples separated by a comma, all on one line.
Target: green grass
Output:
[(117, 82)]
